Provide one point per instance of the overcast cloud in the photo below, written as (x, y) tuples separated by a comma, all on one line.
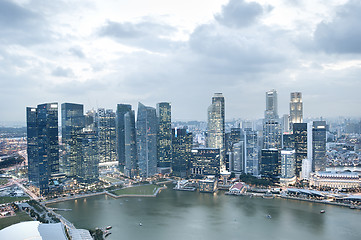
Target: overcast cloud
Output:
[(101, 53)]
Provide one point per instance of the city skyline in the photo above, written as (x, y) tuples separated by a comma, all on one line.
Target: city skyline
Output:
[(111, 53)]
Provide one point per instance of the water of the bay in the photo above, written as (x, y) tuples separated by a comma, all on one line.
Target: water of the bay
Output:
[(192, 215)]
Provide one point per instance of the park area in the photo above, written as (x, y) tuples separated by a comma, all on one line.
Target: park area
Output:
[(8, 221), (6, 199)]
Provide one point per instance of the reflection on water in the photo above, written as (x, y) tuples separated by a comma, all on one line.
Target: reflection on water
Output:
[(191, 215)]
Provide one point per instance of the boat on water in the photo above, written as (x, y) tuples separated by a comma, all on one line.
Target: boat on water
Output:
[(107, 234), (109, 227), (140, 224), (268, 195), (322, 211), (269, 216)]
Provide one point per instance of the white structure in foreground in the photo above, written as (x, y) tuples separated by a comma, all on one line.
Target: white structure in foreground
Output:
[(38, 231)]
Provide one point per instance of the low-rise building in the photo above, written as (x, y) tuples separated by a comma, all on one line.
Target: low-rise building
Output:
[(332, 179)]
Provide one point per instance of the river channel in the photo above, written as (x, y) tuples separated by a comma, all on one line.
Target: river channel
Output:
[(177, 215)]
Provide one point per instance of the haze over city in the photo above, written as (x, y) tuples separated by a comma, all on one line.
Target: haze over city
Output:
[(102, 53)]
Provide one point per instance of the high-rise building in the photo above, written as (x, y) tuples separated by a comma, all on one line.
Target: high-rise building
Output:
[(182, 141), (231, 138), (237, 157), (271, 105), (147, 140), (270, 165), (72, 123), (286, 123), (296, 108), (319, 146), (272, 134), (271, 126), (288, 169), (105, 123), (131, 163), (288, 141), (205, 161), (88, 168), (122, 109), (32, 144), (216, 126), (164, 137), (43, 145), (300, 138), (250, 164)]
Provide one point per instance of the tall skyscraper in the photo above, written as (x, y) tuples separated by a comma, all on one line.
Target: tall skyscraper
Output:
[(271, 126), (300, 138), (88, 171), (250, 164), (72, 123), (42, 124), (237, 157), (147, 140), (164, 137), (319, 146), (216, 126), (271, 105), (286, 123), (32, 144), (272, 134), (288, 164), (231, 138), (122, 109), (105, 122), (131, 163), (296, 108), (270, 165), (182, 141)]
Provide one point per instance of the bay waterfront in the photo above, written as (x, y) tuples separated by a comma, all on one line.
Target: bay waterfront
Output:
[(193, 215)]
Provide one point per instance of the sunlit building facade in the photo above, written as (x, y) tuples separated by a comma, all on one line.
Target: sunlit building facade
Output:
[(296, 108), (216, 126)]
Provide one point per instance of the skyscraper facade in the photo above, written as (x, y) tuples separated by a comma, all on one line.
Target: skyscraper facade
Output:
[(271, 105), (105, 123), (319, 146), (147, 140), (122, 109), (288, 164), (271, 126), (32, 144), (131, 163), (251, 158), (182, 141), (43, 131), (270, 165), (205, 161), (300, 145), (72, 123), (164, 137), (88, 171), (296, 108), (237, 157), (216, 126)]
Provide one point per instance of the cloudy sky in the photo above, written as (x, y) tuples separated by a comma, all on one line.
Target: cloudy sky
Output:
[(101, 53)]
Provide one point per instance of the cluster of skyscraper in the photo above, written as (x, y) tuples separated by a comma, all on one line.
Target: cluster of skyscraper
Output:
[(286, 148)]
